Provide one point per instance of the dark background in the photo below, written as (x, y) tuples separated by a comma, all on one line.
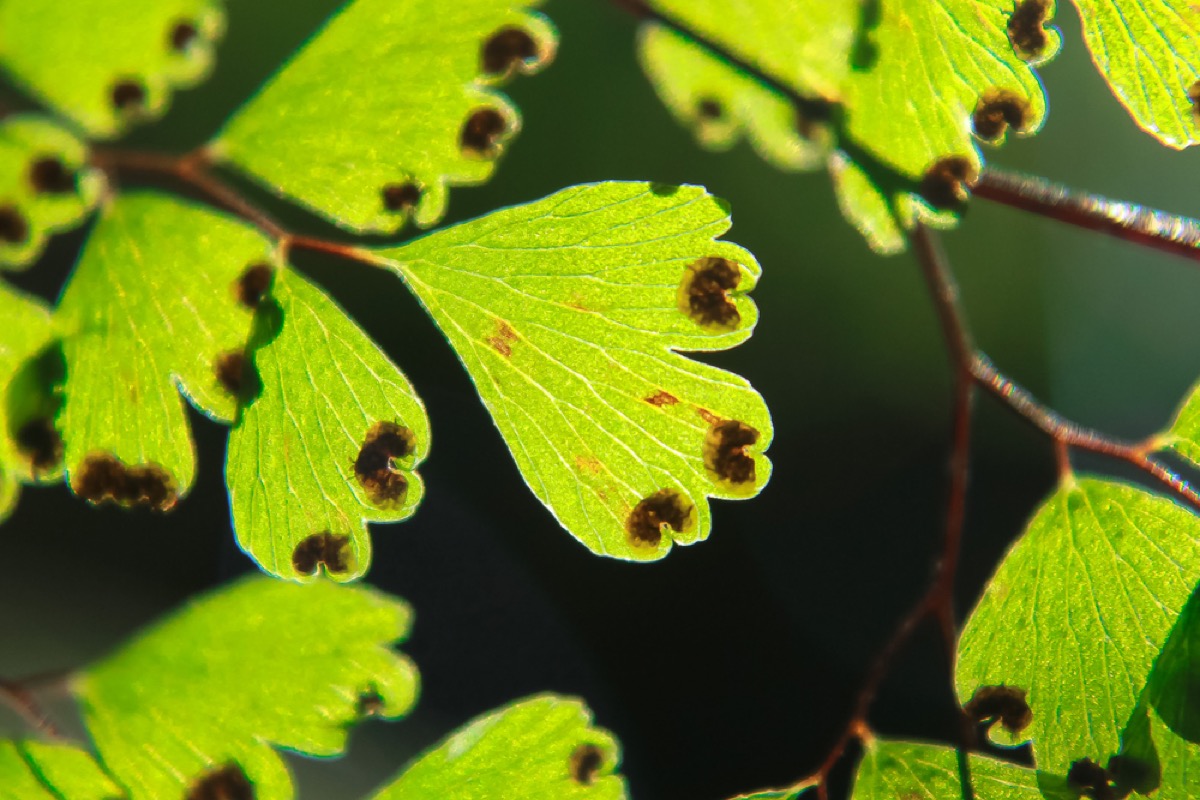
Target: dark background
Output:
[(732, 664)]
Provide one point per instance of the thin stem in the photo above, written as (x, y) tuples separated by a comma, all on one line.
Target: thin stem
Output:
[(1127, 221), (19, 697)]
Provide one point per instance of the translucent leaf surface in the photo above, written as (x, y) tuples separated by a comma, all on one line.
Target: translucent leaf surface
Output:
[(388, 106), (542, 748), (721, 104), (197, 701), (1077, 613), (568, 313), (332, 440), (865, 205), (152, 309), (1184, 434), (915, 771), (44, 185), (108, 63), (30, 448), (1149, 52), (36, 771)]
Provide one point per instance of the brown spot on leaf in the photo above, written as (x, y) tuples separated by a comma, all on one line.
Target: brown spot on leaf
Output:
[(709, 108), (502, 340), (370, 703), (39, 441), (1193, 95), (226, 782), (661, 398), (667, 507), (589, 464), (376, 466), (103, 478), (48, 175), (707, 416), (703, 293), (947, 184), (183, 34), (13, 227), (128, 96), (401, 196), (1026, 28), (325, 548), (481, 132), (253, 284), (725, 451), (585, 762), (1003, 704), (997, 111), (507, 49), (230, 369), (1091, 779)]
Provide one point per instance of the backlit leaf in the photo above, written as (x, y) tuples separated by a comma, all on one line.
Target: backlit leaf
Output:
[(388, 106), (36, 771), (30, 448), (916, 771), (108, 63), (1149, 52), (1184, 434), (152, 309), (200, 699), (541, 748), (45, 186), (568, 314), (1077, 613), (332, 440)]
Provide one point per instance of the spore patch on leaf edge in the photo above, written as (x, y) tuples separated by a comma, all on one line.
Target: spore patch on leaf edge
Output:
[(231, 371), (507, 49), (228, 782), (401, 196), (128, 96), (947, 184), (481, 133), (253, 284), (102, 477), (1003, 704), (14, 229), (183, 33), (376, 465), (586, 761), (998, 110), (709, 109), (1091, 779), (725, 454), (703, 293), (325, 548), (667, 507), (1027, 28), (48, 175), (370, 703), (39, 441)]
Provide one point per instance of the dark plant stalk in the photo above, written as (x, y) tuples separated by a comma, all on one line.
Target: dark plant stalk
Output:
[(19, 696)]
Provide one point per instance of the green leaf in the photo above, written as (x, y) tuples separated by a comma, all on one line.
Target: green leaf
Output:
[(538, 748), (45, 185), (567, 313), (1077, 613), (1183, 436), (388, 106), (915, 771), (36, 771), (333, 440), (865, 205), (153, 306), (721, 104), (106, 64), (199, 699), (30, 447), (1149, 52)]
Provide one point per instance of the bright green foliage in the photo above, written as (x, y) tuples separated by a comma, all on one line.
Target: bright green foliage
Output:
[(1077, 613), (35, 771), (915, 771), (28, 329), (294, 468), (261, 663), (1149, 52), (44, 185), (390, 99), (108, 63), (567, 312), (152, 307), (865, 206), (721, 104), (540, 748), (1184, 434)]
